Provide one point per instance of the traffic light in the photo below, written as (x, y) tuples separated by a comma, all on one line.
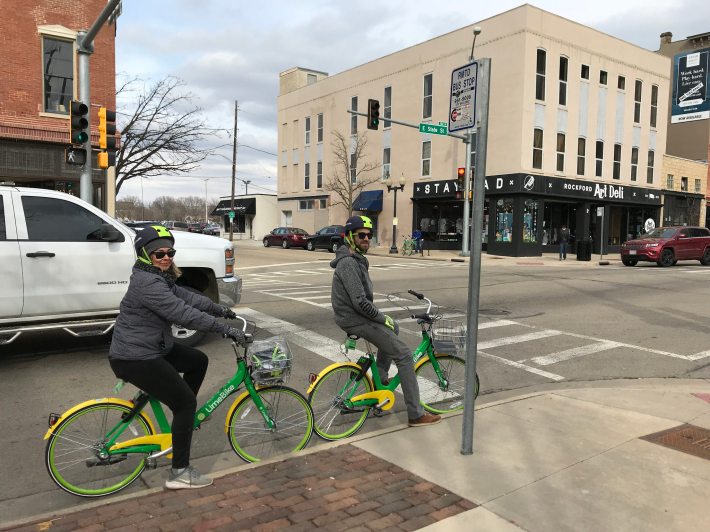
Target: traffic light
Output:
[(107, 138), (79, 122), (373, 114), (461, 176)]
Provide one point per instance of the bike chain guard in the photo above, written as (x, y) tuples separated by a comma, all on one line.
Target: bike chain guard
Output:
[(384, 398)]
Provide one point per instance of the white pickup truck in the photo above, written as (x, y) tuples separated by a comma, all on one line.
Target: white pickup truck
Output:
[(65, 264)]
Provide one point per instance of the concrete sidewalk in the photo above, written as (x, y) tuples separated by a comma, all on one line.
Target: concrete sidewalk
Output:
[(563, 457)]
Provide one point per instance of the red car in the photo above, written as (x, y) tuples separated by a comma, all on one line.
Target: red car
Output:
[(667, 245), (286, 237)]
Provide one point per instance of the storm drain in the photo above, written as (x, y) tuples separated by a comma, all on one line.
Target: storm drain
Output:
[(686, 438)]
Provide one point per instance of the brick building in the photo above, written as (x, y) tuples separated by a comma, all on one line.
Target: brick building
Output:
[(38, 78)]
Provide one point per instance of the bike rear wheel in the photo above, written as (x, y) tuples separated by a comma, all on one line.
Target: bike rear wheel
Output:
[(332, 420), (72, 453), (251, 437), (447, 395)]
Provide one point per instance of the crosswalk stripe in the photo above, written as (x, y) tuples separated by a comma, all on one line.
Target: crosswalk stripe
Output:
[(508, 340), (496, 323), (575, 352), (698, 356), (519, 365)]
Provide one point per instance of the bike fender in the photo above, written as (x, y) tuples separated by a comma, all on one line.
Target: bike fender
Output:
[(335, 365), (232, 409), (92, 402)]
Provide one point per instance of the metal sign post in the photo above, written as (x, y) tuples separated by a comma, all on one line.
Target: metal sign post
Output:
[(600, 212), (474, 276)]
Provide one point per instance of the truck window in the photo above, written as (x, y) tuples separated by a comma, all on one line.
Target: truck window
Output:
[(3, 234), (56, 220)]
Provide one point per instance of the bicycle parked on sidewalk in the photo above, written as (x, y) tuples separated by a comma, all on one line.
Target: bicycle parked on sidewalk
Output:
[(101, 446), (343, 394)]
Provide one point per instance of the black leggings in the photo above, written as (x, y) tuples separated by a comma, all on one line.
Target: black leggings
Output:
[(160, 377)]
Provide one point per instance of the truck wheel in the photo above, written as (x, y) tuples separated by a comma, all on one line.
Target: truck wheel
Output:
[(185, 336), (705, 260), (666, 259)]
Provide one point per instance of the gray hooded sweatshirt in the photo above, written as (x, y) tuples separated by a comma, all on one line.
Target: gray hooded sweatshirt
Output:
[(351, 295)]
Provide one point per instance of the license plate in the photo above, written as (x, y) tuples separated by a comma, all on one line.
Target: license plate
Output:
[(632, 252)]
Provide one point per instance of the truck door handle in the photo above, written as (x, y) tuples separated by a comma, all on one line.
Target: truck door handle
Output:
[(40, 254)]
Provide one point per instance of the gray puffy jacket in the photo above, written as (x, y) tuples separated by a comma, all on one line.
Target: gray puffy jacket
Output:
[(351, 295), (148, 310)]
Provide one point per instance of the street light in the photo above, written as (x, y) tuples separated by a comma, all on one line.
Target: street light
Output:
[(206, 219), (391, 187)]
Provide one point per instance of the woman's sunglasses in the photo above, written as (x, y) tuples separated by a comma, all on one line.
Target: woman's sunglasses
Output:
[(363, 236), (161, 254)]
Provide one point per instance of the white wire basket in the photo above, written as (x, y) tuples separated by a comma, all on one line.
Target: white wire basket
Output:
[(271, 361), (449, 336)]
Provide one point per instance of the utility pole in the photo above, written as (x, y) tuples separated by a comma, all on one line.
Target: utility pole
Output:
[(206, 218), (234, 171)]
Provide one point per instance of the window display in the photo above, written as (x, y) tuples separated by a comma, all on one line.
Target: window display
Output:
[(530, 216), (504, 220)]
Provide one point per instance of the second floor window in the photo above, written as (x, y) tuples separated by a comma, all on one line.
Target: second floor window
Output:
[(540, 75), (426, 158), (649, 168), (697, 185), (307, 122), (564, 63), (654, 105), (58, 75), (581, 154), (669, 182), (537, 148), (684, 184), (638, 89), (428, 96), (599, 158), (388, 107), (634, 162), (353, 118), (307, 176), (560, 152), (616, 172), (320, 127)]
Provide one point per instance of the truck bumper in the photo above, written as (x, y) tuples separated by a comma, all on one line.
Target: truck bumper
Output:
[(230, 290)]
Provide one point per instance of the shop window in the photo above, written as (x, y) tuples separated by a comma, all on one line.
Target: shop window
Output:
[(649, 168), (540, 75), (584, 74), (654, 105), (426, 158), (530, 217), (504, 220), (564, 63), (560, 152), (307, 176), (621, 83), (428, 96), (387, 107), (617, 162), (599, 162), (602, 77), (320, 127), (537, 148), (634, 162), (442, 221), (669, 182), (307, 123), (581, 154), (58, 72), (684, 184), (638, 89), (697, 185), (353, 118)]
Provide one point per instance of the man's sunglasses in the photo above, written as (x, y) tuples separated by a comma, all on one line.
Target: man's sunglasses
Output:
[(363, 236), (161, 254)]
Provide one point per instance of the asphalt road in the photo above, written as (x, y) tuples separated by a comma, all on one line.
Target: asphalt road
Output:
[(538, 325)]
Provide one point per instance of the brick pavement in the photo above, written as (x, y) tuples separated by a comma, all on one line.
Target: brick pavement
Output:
[(341, 488)]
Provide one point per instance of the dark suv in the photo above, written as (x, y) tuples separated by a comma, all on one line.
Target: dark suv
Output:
[(330, 238)]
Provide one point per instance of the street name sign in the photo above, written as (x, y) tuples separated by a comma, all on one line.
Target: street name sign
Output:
[(462, 110), (433, 129)]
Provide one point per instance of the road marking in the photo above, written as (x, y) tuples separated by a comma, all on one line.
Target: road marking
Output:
[(519, 365), (496, 323), (698, 356), (280, 264), (575, 352), (508, 340)]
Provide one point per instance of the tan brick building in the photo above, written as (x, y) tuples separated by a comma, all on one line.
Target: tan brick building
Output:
[(684, 191), (581, 112), (38, 78)]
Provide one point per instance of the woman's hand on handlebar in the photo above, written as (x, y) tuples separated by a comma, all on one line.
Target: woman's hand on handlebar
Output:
[(237, 336)]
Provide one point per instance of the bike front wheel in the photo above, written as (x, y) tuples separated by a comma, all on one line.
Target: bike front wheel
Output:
[(251, 436), (73, 454), (333, 419), (445, 394)]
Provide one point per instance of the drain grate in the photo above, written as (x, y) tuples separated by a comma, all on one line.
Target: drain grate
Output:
[(686, 438)]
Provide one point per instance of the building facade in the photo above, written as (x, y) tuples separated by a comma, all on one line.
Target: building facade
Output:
[(254, 215), (576, 135), (38, 79)]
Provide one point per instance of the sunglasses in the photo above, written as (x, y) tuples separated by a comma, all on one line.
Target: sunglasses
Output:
[(363, 236), (161, 254)]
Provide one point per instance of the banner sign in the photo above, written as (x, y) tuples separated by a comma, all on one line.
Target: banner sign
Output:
[(691, 75)]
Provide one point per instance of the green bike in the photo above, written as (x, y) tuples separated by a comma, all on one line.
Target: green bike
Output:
[(343, 394), (101, 446)]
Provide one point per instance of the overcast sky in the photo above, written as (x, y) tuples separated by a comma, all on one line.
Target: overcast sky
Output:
[(227, 50)]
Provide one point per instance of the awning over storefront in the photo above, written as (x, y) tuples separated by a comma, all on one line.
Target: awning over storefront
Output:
[(241, 206), (368, 200)]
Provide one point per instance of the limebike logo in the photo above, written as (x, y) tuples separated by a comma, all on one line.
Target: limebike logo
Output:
[(221, 397)]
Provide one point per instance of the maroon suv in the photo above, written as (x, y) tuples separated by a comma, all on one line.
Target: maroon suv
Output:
[(667, 245), (286, 237)]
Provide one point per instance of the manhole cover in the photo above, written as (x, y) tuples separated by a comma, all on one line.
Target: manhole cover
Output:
[(494, 311), (686, 438)]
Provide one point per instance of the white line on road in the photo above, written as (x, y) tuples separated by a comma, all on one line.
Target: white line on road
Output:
[(698, 356), (518, 365), (508, 340), (575, 352)]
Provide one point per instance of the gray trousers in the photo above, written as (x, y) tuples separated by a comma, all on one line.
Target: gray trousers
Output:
[(391, 349)]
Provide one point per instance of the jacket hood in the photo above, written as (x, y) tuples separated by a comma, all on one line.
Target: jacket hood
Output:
[(345, 251)]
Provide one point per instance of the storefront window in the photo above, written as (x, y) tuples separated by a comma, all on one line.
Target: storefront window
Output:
[(530, 216), (504, 220), (555, 216)]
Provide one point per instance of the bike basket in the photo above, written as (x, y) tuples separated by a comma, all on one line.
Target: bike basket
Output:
[(448, 336), (270, 360)]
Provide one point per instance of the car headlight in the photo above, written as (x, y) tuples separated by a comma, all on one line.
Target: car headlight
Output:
[(652, 245)]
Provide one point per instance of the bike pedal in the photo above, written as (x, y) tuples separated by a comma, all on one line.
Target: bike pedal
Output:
[(113, 459), (378, 412), (151, 463)]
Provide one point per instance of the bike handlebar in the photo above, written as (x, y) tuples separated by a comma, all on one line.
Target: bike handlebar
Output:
[(420, 296), (416, 294)]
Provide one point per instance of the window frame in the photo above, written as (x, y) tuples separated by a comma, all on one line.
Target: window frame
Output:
[(684, 184), (305, 205), (386, 161), (654, 106), (319, 174), (353, 168), (319, 128), (307, 131), (670, 182), (387, 108), (621, 82), (603, 78), (584, 72), (306, 176), (560, 159), (428, 98), (353, 117), (563, 78), (65, 97), (540, 74), (638, 96), (537, 153), (616, 170), (426, 160), (581, 154), (650, 166), (634, 162), (599, 158)]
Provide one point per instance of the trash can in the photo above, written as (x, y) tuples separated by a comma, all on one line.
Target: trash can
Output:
[(584, 250)]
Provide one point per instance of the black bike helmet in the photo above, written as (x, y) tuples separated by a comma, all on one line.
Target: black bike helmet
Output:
[(151, 238), (352, 225)]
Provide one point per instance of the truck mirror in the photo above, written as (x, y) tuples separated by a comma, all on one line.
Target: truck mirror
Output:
[(110, 234)]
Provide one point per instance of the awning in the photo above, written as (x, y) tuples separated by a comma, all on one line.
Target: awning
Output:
[(241, 206), (368, 200)]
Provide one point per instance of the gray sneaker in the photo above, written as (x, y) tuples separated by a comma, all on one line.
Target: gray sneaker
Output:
[(187, 478)]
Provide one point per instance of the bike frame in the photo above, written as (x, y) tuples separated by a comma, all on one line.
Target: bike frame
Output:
[(162, 440)]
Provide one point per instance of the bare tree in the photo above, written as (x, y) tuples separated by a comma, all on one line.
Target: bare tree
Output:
[(129, 208), (350, 173), (163, 136)]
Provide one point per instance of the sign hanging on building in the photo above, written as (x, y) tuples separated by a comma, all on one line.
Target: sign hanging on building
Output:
[(691, 75), (462, 110)]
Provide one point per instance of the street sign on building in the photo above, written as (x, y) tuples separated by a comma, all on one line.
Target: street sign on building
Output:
[(462, 111), (433, 128), (231, 215)]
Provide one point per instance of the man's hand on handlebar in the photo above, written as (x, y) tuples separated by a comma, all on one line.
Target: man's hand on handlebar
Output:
[(228, 313)]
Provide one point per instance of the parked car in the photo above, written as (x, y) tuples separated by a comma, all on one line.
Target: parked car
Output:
[(212, 229), (286, 237), (175, 226), (195, 227), (330, 238), (667, 245)]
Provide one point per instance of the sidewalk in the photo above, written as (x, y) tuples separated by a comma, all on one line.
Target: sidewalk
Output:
[(563, 457)]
